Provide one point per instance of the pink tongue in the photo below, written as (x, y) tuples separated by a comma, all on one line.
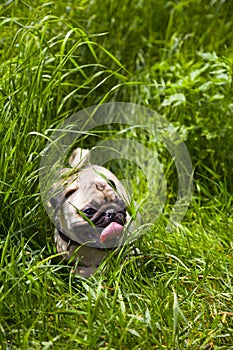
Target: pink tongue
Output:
[(111, 231)]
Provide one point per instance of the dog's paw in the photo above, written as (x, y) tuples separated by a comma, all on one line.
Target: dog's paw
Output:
[(84, 271)]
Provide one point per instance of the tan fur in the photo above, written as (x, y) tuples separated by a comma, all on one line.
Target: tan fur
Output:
[(88, 186)]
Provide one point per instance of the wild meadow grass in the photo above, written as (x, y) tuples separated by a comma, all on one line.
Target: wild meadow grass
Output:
[(175, 290)]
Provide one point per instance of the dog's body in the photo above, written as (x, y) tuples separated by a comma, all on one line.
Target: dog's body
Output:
[(89, 258), (90, 210)]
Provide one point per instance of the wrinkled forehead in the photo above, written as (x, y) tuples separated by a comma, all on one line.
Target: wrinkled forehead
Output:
[(96, 174), (98, 177)]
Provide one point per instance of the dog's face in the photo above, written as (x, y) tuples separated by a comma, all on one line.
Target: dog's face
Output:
[(91, 208)]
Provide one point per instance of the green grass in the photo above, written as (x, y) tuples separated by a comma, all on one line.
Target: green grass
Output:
[(57, 58)]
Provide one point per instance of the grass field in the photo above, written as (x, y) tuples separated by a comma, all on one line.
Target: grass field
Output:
[(175, 57)]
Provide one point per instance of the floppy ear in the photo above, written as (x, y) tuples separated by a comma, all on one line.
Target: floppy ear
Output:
[(55, 195), (56, 200), (79, 158), (64, 187)]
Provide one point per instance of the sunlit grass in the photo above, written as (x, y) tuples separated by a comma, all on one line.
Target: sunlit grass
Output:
[(175, 290)]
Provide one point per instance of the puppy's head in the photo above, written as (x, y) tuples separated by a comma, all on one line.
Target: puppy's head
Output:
[(90, 207)]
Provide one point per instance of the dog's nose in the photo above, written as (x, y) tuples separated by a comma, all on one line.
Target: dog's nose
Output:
[(118, 216), (110, 213)]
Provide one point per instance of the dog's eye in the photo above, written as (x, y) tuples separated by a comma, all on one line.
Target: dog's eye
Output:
[(89, 212), (70, 192), (112, 184)]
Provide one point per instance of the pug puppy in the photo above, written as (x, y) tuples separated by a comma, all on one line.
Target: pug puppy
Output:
[(89, 204)]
